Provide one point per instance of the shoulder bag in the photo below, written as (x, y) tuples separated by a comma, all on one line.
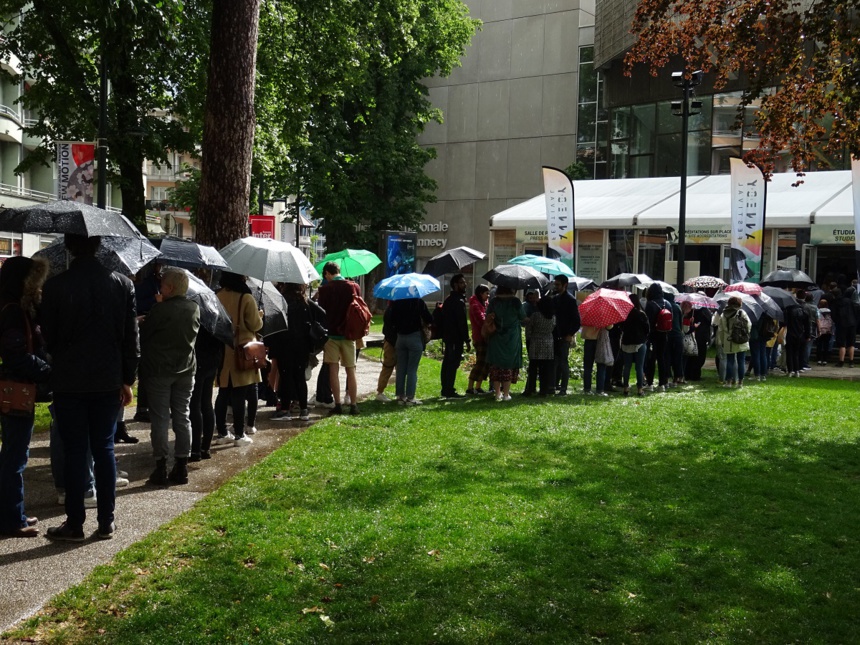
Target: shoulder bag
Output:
[(489, 327), (18, 396), (250, 355)]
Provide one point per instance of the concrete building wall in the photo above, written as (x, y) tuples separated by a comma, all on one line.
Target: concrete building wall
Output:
[(509, 109)]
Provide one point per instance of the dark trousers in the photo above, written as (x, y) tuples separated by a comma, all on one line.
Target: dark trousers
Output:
[(324, 394), (657, 356), (561, 349), (541, 371), (450, 364), (794, 350), (201, 411), (88, 421), (675, 353), (14, 452), (292, 385), (235, 397)]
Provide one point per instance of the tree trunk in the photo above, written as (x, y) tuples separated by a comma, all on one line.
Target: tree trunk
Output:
[(228, 126)]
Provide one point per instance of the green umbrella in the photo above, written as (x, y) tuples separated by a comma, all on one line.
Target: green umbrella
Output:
[(352, 262), (544, 265)]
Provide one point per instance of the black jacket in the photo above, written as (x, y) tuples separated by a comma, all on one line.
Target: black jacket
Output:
[(18, 361), (566, 315), (89, 323), (456, 319), (407, 315), (634, 330)]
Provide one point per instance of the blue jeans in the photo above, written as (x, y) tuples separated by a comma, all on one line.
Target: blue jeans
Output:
[(735, 364), (14, 452), (759, 357), (88, 420), (409, 349), (637, 358), (169, 398), (561, 349), (58, 460)]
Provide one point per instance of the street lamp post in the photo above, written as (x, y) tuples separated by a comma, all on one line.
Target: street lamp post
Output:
[(685, 109)]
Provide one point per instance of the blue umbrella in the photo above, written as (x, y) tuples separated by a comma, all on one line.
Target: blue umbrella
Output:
[(544, 265), (406, 285)]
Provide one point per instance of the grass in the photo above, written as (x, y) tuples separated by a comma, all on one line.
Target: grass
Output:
[(698, 515)]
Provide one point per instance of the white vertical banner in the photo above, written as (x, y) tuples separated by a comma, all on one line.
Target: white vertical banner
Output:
[(855, 193), (75, 169), (560, 223), (748, 206)]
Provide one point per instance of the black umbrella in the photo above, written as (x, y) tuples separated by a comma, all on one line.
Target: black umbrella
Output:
[(781, 297), (625, 280), (274, 307), (788, 278), (123, 254), (769, 305), (516, 276), (67, 217), (581, 284), (452, 260), (749, 304), (213, 317), (189, 255)]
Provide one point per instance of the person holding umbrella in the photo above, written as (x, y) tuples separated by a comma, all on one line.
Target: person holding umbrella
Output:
[(733, 335), (505, 349), (634, 336), (408, 316), (566, 325)]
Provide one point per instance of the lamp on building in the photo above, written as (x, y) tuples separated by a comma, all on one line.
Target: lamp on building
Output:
[(684, 108)]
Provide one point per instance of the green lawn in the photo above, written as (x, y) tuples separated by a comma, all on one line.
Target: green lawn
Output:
[(702, 515)]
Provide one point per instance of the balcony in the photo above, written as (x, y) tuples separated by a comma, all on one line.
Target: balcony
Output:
[(10, 125)]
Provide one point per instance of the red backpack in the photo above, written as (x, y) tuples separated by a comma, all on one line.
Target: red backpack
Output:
[(664, 319), (356, 325)]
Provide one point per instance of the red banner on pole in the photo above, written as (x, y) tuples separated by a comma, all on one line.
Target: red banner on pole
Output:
[(262, 226)]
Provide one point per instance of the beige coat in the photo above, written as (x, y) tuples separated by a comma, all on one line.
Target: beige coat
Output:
[(249, 324)]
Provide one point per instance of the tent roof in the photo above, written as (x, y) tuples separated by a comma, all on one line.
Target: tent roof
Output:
[(822, 198)]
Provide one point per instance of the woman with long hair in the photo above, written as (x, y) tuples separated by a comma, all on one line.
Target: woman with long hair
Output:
[(235, 385), (24, 359)]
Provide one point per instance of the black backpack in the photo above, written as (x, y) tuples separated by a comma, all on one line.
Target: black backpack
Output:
[(738, 330)]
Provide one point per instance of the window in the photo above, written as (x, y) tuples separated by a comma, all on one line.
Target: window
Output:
[(591, 123)]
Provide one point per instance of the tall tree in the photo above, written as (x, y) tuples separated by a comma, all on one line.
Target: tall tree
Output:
[(228, 126), (153, 49), (342, 100), (800, 59)]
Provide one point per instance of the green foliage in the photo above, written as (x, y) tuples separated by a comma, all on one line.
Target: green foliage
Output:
[(186, 192), (340, 101), (695, 516), (578, 170), (155, 51)]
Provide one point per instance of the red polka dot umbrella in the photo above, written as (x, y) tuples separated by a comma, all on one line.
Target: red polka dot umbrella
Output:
[(749, 288), (605, 307)]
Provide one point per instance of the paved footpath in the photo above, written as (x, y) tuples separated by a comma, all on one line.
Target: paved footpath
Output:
[(32, 571)]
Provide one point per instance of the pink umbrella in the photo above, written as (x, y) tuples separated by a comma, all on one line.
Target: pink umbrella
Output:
[(699, 300), (605, 307), (749, 288)]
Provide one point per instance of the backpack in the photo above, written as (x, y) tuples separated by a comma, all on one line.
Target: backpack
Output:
[(664, 319), (356, 324), (825, 325), (738, 332), (437, 327), (768, 329)]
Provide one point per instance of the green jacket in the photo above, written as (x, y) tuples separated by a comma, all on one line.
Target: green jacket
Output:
[(167, 337)]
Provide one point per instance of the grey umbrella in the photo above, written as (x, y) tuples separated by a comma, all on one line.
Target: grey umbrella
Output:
[(781, 297), (516, 276), (749, 304), (123, 254), (213, 317), (273, 304), (67, 217), (626, 280)]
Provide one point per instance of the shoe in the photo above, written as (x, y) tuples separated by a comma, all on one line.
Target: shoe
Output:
[(663, 388), (194, 457), (159, 475), (588, 392), (179, 472), (61, 498), (499, 398), (380, 396), (221, 440), (106, 532), (142, 414), (626, 391), (121, 482), (480, 391), (401, 400), (91, 502), (205, 454), (470, 391), (840, 364), (327, 406), (251, 430), (242, 441), (65, 533), (561, 393), (22, 532), (455, 395), (410, 402), (32, 521), (602, 394), (282, 415), (806, 368), (304, 415), (337, 409), (353, 410), (740, 384), (346, 400), (121, 473), (506, 397), (122, 436), (850, 364), (641, 391)]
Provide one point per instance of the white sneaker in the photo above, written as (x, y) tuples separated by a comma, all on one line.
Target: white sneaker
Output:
[(327, 406), (91, 502), (121, 482), (251, 430), (220, 441), (305, 415), (382, 398), (507, 397), (346, 400), (121, 473), (242, 441)]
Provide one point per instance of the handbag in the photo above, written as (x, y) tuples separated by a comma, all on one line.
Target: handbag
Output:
[(18, 396), (250, 355), (317, 333), (489, 327), (691, 347)]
